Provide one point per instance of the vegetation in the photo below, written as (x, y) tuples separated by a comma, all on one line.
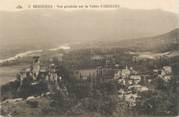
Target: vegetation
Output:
[(99, 93)]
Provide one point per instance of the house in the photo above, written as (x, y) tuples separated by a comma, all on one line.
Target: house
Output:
[(131, 99), (167, 69), (122, 81), (130, 82), (136, 79), (125, 72), (138, 88), (166, 73), (117, 75), (167, 78), (133, 72)]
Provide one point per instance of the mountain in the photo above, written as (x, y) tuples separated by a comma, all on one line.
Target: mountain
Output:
[(42, 29), (49, 27), (161, 43), (165, 42)]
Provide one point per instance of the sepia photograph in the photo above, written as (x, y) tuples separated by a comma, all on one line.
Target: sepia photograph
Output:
[(89, 59)]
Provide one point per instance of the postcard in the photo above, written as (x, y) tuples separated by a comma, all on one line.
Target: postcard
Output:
[(89, 58)]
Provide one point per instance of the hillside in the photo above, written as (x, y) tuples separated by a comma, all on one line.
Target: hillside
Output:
[(161, 43), (38, 29)]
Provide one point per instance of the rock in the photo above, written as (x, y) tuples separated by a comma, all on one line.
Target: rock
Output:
[(12, 100), (48, 94), (30, 98), (32, 102), (18, 99), (42, 95)]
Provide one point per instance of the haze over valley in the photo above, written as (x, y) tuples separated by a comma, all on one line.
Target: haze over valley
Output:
[(32, 30)]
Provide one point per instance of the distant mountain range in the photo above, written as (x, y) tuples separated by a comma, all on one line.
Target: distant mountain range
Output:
[(162, 43), (165, 42), (43, 29), (51, 27)]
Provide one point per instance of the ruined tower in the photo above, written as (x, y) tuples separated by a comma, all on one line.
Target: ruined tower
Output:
[(35, 67)]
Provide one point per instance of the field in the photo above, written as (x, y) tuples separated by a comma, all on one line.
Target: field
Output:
[(8, 73)]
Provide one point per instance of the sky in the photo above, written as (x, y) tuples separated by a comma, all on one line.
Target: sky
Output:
[(167, 5)]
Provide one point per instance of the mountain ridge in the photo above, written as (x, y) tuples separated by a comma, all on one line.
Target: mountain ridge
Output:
[(161, 43), (41, 26)]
